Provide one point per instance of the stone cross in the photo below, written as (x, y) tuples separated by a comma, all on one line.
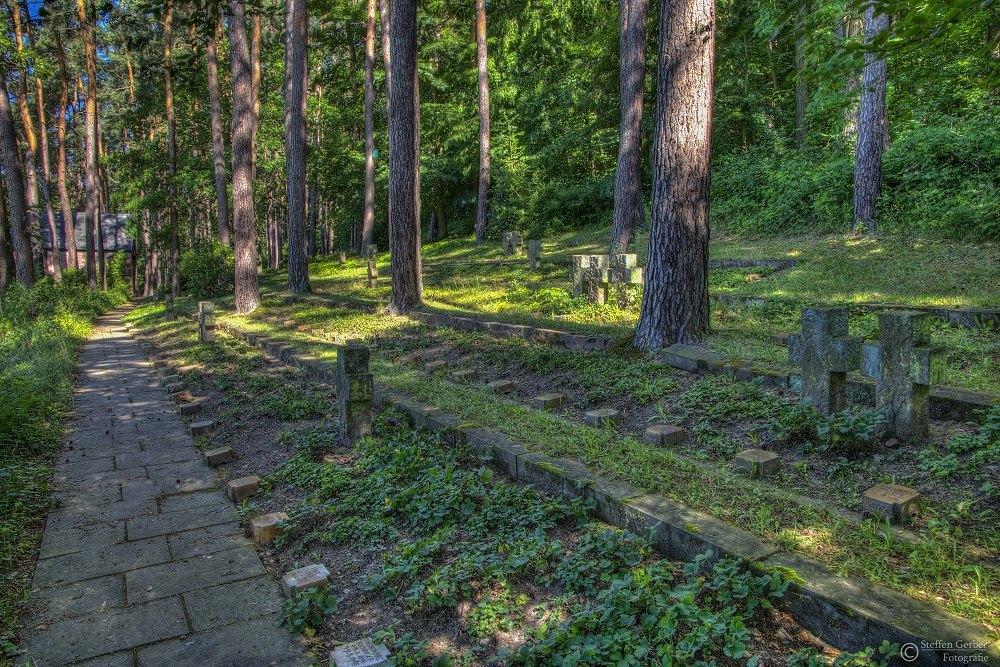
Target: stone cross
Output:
[(372, 266), (903, 366), (168, 304), (826, 354), (534, 253), (355, 392), (513, 242), (343, 258), (585, 271), (206, 321), (622, 270)]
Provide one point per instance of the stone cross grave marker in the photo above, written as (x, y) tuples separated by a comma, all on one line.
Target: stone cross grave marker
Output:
[(586, 274), (343, 258), (622, 270), (534, 253), (826, 354), (355, 392), (168, 304), (513, 243), (372, 266), (904, 366), (206, 321)]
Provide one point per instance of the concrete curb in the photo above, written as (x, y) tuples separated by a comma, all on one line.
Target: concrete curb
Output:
[(849, 612)]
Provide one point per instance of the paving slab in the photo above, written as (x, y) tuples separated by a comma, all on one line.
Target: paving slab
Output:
[(138, 532)]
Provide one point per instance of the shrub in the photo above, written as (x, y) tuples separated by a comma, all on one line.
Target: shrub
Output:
[(207, 270), (845, 432)]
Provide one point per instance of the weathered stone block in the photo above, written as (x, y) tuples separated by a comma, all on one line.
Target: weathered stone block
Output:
[(757, 463), (362, 653), (220, 456), (174, 387), (353, 359), (465, 375), (189, 408), (311, 576), (202, 428), (432, 366), (289, 323), (169, 378), (266, 527), (664, 434), (602, 416), (161, 363), (897, 503), (548, 401), (244, 487), (501, 386)]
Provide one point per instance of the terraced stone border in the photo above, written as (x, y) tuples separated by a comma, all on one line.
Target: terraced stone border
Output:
[(969, 318), (946, 403), (848, 612)]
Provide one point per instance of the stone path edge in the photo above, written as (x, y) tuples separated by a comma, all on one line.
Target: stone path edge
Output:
[(849, 612)]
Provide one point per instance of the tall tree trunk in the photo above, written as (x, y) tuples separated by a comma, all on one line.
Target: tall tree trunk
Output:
[(69, 221), (6, 258), (57, 259), (368, 215), (848, 27), (404, 146), (675, 300), (871, 129), (218, 149), (629, 213), (255, 85), (16, 206), (91, 143), (482, 65), (296, 44), (131, 76), (385, 19), (244, 226), (168, 65), (27, 124), (801, 89)]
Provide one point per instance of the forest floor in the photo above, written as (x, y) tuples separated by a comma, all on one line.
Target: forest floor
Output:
[(464, 279), (440, 559)]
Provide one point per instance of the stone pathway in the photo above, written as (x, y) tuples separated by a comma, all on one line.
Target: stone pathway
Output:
[(143, 561)]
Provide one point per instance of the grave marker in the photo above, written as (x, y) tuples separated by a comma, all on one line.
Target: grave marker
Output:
[(903, 366), (343, 258), (242, 488), (602, 416), (548, 401), (372, 267), (622, 270), (534, 253), (664, 434), (826, 354), (168, 304), (362, 653), (202, 428), (355, 392), (220, 456), (892, 501), (513, 243), (757, 463), (311, 576), (206, 321), (501, 386), (266, 527), (586, 274)]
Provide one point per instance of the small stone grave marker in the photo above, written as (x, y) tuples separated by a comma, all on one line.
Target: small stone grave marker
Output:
[(220, 456), (266, 527), (664, 434), (189, 408), (244, 487), (168, 305), (432, 366), (897, 503), (903, 366), (534, 253), (311, 576), (513, 243), (548, 401), (355, 392), (174, 387), (372, 267), (585, 271), (757, 463), (206, 321), (826, 354), (464, 375), (622, 270), (343, 257), (501, 386), (363, 653), (202, 428), (602, 416), (169, 378)]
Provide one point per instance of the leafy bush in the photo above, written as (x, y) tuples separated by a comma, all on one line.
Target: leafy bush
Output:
[(207, 270), (846, 432), (305, 612), (971, 453)]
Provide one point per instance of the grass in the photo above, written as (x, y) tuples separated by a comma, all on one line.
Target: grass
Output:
[(41, 332), (937, 567)]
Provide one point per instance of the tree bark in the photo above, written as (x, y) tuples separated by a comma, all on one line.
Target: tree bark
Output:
[(64, 200), (404, 146), (385, 19), (16, 206), (368, 215), (27, 125), (6, 258), (871, 129), (482, 65), (175, 277), (91, 143), (675, 301), (57, 259), (218, 147), (296, 41), (801, 89), (247, 294), (629, 212), (255, 85)]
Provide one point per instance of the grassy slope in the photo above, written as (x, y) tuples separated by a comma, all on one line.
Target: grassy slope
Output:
[(41, 333)]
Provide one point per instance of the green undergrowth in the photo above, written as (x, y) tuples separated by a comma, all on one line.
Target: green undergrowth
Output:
[(578, 592), (41, 332)]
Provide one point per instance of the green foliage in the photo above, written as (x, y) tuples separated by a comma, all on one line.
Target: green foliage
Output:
[(495, 613), (292, 403), (850, 431), (971, 453), (601, 556), (207, 270), (810, 657), (305, 612)]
